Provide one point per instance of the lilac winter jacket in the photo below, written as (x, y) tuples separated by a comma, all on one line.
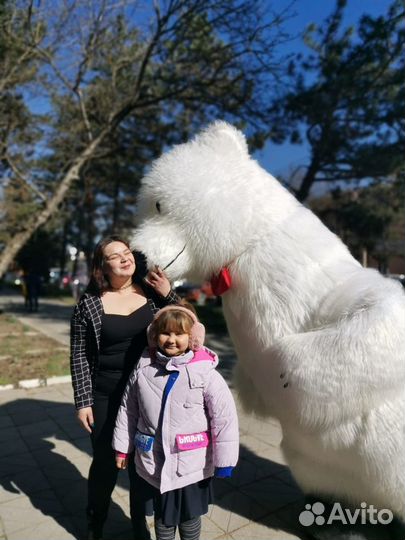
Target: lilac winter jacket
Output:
[(198, 419)]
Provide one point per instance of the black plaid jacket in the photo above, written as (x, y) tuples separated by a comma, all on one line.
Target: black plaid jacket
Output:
[(85, 331)]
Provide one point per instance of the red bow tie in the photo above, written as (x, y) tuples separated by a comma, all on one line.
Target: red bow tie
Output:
[(221, 282)]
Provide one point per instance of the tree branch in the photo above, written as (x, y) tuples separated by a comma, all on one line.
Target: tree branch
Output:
[(24, 180)]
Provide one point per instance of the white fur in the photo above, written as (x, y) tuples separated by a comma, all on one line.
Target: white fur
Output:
[(300, 311)]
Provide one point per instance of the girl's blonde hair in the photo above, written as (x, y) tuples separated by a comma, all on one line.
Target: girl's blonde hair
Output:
[(181, 318), (173, 321)]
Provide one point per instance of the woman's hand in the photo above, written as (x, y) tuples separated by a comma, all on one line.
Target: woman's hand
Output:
[(85, 417), (158, 281), (121, 462)]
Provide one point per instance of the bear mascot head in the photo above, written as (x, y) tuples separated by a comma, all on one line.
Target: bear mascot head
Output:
[(320, 340)]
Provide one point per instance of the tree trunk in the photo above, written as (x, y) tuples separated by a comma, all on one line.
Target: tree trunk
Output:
[(364, 257), (89, 228), (19, 240), (116, 205), (62, 258), (306, 184)]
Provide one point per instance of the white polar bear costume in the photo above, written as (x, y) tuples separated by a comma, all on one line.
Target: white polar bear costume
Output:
[(320, 340)]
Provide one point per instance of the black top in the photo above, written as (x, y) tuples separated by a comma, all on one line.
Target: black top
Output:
[(85, 340), (122, 339)]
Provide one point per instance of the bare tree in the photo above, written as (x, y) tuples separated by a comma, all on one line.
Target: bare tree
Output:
[(347, 100), (95, 65)]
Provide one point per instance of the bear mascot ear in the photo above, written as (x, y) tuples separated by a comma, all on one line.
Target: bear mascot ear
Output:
[(224, 138)]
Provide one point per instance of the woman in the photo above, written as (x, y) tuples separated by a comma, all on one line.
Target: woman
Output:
[(108, 334)]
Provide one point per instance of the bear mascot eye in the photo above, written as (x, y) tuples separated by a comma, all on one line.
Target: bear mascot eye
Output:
[(158, 207)]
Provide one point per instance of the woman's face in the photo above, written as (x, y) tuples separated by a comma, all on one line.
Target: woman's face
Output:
[(118, 260)]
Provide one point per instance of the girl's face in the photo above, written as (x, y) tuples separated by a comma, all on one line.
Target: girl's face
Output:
[(173, 343), (118, 260)]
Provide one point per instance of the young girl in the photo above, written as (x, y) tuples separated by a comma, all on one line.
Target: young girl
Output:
[(179, 414)]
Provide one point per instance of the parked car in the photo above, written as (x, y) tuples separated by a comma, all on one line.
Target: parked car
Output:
[(12, 278), (189, 291), (61, 279), (194, 293)]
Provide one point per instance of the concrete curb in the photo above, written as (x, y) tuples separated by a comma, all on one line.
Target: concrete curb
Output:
[(37, 383)]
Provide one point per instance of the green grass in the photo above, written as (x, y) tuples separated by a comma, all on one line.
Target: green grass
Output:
[(57, 364), (26, 354)]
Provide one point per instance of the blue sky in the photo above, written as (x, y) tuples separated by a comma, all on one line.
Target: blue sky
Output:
[(279, 159)]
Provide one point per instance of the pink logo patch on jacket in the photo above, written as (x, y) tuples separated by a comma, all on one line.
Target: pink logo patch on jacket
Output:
[(192, 441)]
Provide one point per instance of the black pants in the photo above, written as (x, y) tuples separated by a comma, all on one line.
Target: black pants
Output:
[(103, 471)]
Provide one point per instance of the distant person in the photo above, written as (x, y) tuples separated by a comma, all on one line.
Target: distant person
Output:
[(80, 278), (24, 290), (108, 334), (78, 286), (180, 417), (32, 290)]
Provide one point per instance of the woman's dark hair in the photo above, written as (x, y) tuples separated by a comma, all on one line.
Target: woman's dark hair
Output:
[(98, 282)]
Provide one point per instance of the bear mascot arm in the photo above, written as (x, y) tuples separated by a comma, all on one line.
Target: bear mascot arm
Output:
[(362, 347)]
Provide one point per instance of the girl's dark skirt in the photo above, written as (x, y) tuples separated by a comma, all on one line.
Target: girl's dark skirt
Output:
[(179, 505)]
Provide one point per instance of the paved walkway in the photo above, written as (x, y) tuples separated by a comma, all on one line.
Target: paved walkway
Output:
[(45, 456), (52, 318)]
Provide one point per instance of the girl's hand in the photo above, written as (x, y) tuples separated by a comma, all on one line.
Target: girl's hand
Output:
[(121, 462), (85, 417), (157, 279)]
